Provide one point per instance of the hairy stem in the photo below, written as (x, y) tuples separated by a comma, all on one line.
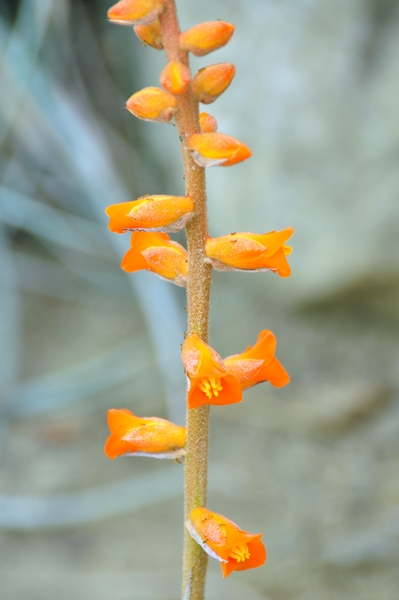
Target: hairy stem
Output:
[(198, 292)]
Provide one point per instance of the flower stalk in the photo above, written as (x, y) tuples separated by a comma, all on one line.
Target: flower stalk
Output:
[(211, 380), (198, 294)]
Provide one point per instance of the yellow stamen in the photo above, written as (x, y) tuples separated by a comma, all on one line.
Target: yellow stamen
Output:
[(240, 553), (210, 387)]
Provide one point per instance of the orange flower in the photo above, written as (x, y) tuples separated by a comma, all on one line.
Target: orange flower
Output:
[(175, 77), (208, 124), (217, 150), (150, 34), (156, 252), (135, 12), (236, 550), (206, 37), (151, 213), (251, 252), (210, 383), (151, 436), (210, 82), (258, 363), (152, 104)]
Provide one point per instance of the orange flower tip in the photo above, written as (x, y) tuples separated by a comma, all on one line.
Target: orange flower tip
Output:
[(206, 37), (212, 81), (151, 213), (217, 150), (236, 550), (147, 436), (155, 252), (258, 363), (209, 382), (152, 104), (175, 78), (208, 124), (151, 34), (135, 12), (250, 252)]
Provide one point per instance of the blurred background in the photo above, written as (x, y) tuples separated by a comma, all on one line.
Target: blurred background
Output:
[(314, 466)]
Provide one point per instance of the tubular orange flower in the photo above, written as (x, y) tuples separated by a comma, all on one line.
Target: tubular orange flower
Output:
[(175, 77), (258, 363), (150, 213), (217, 150), (210, 82), (150, 34), (152, 104), (156, 252), (208, 124), (236, 550), (251, 252), (135, 12), (206, 37), (209, 381), (149, 436)]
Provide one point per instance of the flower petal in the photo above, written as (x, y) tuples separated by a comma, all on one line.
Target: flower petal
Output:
[(147, 436), (135, 12), (206, 37), (231, 393), (212, 81), (175, 78), (150, 34), (152, 104), (200, 359), (274, 373), (217, 149), (208, 124), (150, 213), (122, 418)]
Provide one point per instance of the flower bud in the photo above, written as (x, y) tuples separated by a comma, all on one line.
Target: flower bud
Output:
[(156, 252), (150, 34), (251, 252), (208, 124), (152, 104), (210, 82), (209, 381), (217, 149), (175, 77), (235, 549), (151, 213), (206, 37), (135, 12), (135, 436)]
